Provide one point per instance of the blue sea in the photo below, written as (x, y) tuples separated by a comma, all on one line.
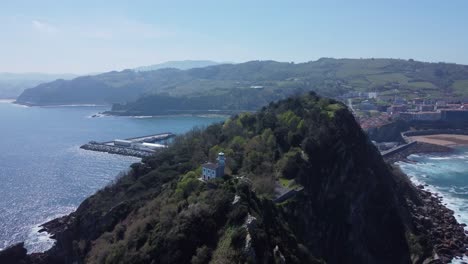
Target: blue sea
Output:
[(445, 174), (43, 172)]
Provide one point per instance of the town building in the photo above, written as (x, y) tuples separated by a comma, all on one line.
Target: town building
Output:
[(372, 95), (420, 116), (459, 115), (425, 107), (441, 103), (396, 109), (367, 106), (213, 170), (399, 101), (418, 101), (454, 106)]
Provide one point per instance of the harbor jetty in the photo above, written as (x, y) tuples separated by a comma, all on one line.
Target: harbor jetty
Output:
[(143, 146), (420, 141)]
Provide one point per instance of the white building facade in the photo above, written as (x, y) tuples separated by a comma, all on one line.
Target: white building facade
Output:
[(214, 170)]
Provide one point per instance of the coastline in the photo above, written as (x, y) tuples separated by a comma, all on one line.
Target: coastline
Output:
[(434, 217), (56, 105), (207, 112), (448, 140), (205, 115), (416, 148), (175, 113)]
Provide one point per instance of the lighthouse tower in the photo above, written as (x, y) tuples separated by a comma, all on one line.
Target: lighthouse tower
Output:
[(221, 163)]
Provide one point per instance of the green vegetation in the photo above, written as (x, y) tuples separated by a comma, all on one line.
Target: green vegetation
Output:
[(232, 87), (166, 213), (460, 88), (284, 182), (160, 212)]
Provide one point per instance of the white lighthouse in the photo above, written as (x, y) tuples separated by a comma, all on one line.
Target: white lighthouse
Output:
[(221, 160)]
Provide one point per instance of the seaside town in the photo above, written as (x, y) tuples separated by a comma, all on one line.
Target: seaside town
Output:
[(372, 110)]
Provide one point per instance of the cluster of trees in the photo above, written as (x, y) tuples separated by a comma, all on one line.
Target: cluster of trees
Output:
[(233, 100), (160, 212), (172, 217)]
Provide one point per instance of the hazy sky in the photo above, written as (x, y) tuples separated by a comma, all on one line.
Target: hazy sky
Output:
[(94, 36)]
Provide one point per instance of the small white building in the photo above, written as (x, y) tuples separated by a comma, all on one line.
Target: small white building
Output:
[(213, 170), (372, 95)]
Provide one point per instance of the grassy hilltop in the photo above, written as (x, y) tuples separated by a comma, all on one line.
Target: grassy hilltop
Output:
[(200, 87)]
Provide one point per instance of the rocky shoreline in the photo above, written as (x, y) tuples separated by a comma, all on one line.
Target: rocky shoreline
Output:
[(433, 219), (18, 254), (438, 224), (418, 147)]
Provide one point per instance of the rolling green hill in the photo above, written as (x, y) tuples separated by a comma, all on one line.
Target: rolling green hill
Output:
[(13, 84), (329, 77)]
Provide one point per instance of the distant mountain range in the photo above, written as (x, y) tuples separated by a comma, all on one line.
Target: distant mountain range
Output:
[(181, 65), (250, 85), (13, 84)]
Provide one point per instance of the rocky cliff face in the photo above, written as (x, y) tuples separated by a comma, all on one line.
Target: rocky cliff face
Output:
[(350, 210), (354, 208), (388, 132)]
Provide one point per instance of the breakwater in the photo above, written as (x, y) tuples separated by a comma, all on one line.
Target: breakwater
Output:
[(412, 147), (134, 148), (397, 149), (117, 150), (153, 138)]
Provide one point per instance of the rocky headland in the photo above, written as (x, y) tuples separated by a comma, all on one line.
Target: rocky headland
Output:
[(353, 208)]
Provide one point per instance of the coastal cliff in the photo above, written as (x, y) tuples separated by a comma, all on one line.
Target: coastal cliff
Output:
[(353, 208)]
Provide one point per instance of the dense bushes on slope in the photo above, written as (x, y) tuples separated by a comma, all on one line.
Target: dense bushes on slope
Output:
[(351, 210)]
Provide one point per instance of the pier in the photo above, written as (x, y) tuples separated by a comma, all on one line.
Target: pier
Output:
[(143, 146)]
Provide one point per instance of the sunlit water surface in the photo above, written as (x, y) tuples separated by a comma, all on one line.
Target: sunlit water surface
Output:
[(445, 174), (43, 172)]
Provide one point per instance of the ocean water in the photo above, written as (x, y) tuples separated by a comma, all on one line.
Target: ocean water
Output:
[(445, 174), (43, 172)]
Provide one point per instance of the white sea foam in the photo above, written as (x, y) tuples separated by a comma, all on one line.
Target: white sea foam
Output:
[(59, 173), (451, 157), (72, 105), (38, 242), (458, 205), (141, 117), (441, 158), (461, 260), (431, 174), (97, 115)]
